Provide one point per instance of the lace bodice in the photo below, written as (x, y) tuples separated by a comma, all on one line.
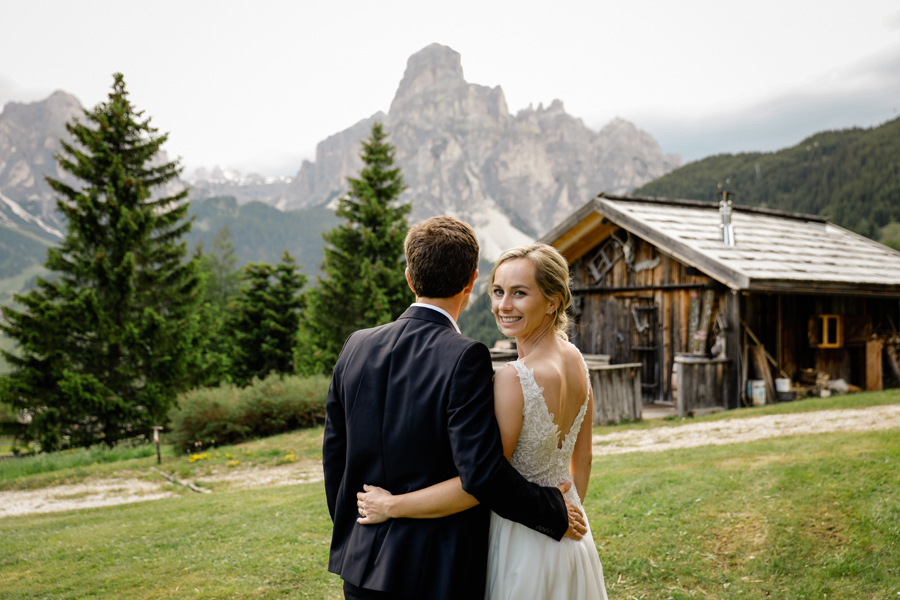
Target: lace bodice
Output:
[(538, 455)]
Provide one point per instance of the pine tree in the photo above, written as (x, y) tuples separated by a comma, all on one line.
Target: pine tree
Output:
[(364, 283), (221, 276), (214, 341), (104, 346), (267, 313)]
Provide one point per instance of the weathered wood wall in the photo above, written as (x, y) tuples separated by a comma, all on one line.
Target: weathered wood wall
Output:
[(702, 384), (605, 321), (617, 393)]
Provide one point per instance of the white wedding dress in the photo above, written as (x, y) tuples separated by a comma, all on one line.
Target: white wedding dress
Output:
[(523, 563)]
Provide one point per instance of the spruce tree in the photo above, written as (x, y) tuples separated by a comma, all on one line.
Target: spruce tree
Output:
[(221, 275), (214, 341), (266, 316), (364, 283), (104, 344)]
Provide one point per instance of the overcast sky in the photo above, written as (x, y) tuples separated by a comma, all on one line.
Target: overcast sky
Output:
[(256, 85)]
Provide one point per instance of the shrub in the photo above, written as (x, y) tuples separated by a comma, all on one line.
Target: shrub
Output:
[(228, 414)]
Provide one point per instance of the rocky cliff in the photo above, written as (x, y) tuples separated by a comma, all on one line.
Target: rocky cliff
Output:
[(29, 137), (463, 153)]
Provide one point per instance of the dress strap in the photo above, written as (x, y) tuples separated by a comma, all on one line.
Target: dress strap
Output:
[(587, 374)]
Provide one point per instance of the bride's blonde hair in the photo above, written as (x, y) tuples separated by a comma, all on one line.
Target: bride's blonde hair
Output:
[(551, 272)]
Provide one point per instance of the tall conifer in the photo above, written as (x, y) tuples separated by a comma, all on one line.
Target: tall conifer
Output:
[(267, 313), (214, 342), (104, 347), (364, 283)]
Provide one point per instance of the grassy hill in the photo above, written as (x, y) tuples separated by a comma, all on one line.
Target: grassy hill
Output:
[(852, 176)]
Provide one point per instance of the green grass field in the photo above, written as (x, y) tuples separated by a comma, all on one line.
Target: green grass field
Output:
[(797, 517), (73, 466)]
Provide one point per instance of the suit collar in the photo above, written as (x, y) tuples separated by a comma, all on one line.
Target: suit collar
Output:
[(429, 314)]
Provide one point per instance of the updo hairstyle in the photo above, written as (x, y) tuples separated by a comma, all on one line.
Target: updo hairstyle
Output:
[(551, 272)]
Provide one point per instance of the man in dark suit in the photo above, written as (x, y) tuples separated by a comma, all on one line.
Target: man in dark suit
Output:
[(410, 405)]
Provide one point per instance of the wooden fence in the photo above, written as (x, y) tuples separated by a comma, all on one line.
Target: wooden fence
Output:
[(617, 392), (702, 384)]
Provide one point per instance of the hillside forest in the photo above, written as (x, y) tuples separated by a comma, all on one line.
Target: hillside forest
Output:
[(852, 176)]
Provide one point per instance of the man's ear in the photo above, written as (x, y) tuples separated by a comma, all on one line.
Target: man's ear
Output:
[(471, 285), (409, 282)]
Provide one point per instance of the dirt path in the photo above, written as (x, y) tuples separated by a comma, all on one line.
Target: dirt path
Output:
[(122, 490), (735, 431)]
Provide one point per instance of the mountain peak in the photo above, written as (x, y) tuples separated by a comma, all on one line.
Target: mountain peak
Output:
[(434, 65)]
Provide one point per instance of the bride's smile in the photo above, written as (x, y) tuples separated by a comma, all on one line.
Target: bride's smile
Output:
[(517, 302)]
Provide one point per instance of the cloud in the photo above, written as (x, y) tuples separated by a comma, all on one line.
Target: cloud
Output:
[(892, 21), (863, 94), (10, 91)]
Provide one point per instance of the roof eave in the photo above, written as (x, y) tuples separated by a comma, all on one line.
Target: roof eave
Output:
[(827, 287), (681, 251)]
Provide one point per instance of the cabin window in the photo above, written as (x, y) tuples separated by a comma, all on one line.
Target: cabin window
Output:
[(826, 331)]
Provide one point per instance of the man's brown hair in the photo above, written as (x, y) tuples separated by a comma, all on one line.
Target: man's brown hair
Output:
[(441, 255)]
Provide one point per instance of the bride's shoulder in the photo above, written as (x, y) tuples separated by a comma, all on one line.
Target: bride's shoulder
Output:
[(572, 352), (508, 388), (507, 375)]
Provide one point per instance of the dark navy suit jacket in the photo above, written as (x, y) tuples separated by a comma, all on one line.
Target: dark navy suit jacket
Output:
[(411, 405)]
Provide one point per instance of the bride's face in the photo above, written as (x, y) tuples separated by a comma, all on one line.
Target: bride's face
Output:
[(516, 300)]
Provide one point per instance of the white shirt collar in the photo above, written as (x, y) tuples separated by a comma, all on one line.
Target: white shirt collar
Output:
[(440, 310)]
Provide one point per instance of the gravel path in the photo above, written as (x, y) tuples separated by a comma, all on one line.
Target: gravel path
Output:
[(110, 492), (735, 431)]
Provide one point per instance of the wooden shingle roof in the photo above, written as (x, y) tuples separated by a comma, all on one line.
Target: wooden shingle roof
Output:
[(774, 250)]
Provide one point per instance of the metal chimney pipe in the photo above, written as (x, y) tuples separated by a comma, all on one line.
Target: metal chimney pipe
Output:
[(725, 225)]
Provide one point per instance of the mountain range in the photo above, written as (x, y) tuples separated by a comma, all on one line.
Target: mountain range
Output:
[(462, 153)]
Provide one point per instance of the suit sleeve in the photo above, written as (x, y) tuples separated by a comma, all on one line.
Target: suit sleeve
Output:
[(334, 444), (478, 452)]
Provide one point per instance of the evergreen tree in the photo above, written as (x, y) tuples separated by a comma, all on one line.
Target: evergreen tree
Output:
[(267, 313), (104, 344), (364, 283), (214, 339), (221, 276)]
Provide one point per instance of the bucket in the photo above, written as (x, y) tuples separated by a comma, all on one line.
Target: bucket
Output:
[(756, 392), (782, 384)]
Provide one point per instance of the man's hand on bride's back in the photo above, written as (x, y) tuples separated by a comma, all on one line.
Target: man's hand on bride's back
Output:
[(577, 523), (373, 505)]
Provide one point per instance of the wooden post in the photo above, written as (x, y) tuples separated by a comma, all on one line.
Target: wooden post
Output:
[(156, 431), (779, 339), (733, 347), (874, 380)]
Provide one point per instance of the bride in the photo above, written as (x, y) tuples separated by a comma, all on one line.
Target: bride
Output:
[(544, 404)]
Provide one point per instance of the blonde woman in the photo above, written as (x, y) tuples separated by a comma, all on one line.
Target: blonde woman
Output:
[(543, 403)]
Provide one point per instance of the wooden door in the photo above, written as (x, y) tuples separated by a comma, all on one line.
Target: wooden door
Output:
[(645, 345)]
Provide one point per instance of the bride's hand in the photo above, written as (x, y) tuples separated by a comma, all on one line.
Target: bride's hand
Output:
[(577, 522), (374, 505)]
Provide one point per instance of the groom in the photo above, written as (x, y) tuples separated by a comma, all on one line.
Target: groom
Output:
[(411, 405)]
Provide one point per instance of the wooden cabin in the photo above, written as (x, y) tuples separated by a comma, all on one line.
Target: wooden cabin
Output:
[(724, 295)]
